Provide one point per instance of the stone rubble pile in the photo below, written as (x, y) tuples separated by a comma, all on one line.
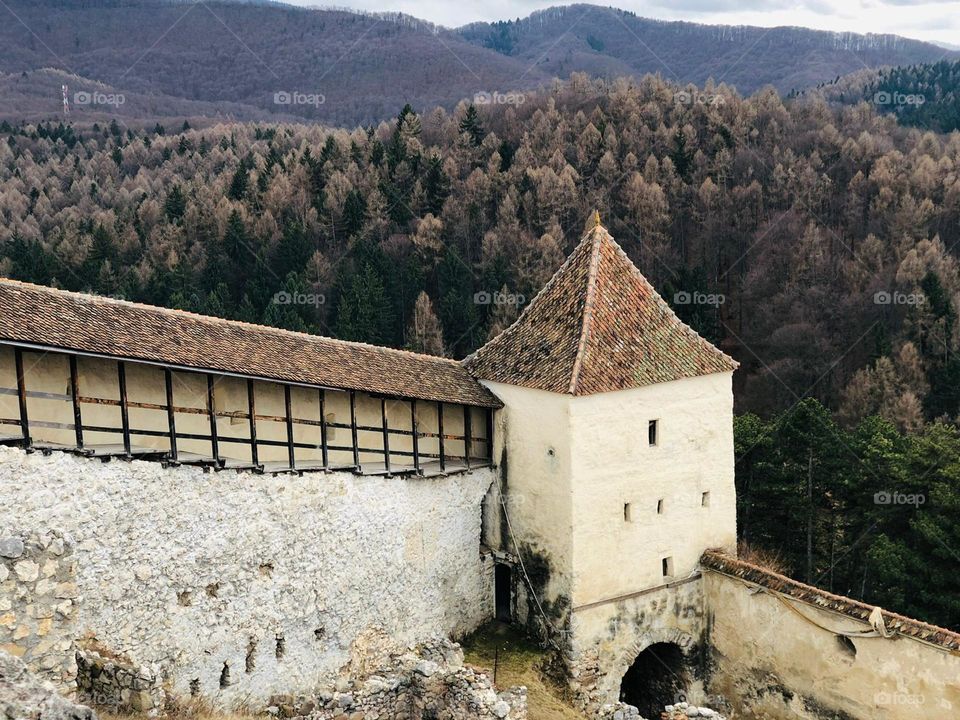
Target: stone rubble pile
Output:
[(428, 681), (680, 711), (23, 696)]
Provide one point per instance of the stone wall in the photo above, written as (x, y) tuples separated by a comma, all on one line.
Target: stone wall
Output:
[(608, 637), (239, 585), (782, 650), (38, 601)]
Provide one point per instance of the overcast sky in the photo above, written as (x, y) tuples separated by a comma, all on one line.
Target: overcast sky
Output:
[(935, 21)]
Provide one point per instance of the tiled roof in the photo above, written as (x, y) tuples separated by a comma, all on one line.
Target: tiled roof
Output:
[(597, 326), (734, 567), (89, 324)]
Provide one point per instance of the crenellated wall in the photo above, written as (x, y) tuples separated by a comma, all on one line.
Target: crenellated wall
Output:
[(239, 585)]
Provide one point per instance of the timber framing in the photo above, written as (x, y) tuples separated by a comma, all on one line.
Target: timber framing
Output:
[(410, 435)]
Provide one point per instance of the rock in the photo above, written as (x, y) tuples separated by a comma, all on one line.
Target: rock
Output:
[(693, 711), (4, 573), (25, 696), (426, 668), (11, 548), (501, 709), (27, 570)]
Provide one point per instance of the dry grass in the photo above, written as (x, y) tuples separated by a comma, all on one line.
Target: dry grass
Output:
[(191, 709), (518, 663), (766, 559)]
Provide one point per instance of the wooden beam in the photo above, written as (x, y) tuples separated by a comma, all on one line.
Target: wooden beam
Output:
[(323, 429), (212, 412), (252, 409), (467, 440), (171, 414), (288, 410), (75, 397), (353, 429), (489, 418), (124, 409), (443, 459), (416, 436), (386, 435), (22, 396)]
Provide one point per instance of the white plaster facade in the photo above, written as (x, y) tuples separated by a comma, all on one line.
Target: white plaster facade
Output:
[(190, 570), (583, 485)]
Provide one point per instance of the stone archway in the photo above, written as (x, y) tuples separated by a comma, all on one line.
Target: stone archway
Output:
[(658, 676)]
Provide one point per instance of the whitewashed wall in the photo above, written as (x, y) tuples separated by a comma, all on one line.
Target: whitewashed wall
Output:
[(190, 570)]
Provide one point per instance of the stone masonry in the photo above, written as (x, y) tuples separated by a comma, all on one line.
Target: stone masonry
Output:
[(39, 602)]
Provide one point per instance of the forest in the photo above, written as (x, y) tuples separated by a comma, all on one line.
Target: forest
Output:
[(814, 242)]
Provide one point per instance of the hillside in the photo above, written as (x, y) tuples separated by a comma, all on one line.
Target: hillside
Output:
[(607, 42), (232, 60)]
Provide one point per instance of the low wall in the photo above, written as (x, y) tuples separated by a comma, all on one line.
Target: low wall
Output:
[(785, 650), (38, 594), (238, 585)]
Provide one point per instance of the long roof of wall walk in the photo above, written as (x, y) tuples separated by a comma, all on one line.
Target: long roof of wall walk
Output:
[(734, 567), (87, 324), (597, 326)]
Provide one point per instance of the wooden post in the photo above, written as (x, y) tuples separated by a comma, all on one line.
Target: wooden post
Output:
[(252, 409), (489, 418), (416, 436), (124, 408), (353, 429), (212, 412), (22, 396), (171, 414), (75, 397), (323, 429), (386, 435), (443, 459), (288, 408), (467, 439)]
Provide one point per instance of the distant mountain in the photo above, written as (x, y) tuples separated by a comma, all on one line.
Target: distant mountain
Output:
[(256, 60), (606, 42)]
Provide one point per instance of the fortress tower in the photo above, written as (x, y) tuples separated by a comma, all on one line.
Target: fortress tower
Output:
[(616, 455)]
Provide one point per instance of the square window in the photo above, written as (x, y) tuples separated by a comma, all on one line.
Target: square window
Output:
[(660, 506), (666, 565), (653, 432), (705, 499), (627, 512)]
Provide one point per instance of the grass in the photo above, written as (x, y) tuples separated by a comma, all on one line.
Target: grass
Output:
[(518, 662)]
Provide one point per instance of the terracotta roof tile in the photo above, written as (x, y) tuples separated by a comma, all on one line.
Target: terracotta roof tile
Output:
[(597, 326), (734, 567), (89, 324)]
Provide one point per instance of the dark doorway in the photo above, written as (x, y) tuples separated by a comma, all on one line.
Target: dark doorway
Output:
[(657, 677), (503, 590)]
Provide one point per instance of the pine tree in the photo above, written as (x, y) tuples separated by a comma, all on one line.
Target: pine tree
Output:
[(472, 125)]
